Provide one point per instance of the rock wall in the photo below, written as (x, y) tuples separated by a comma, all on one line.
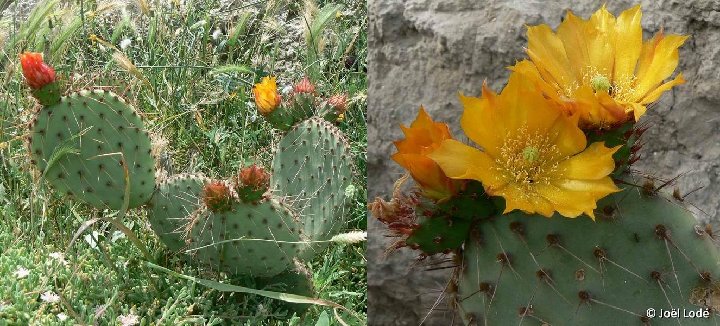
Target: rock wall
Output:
[(425, 51)]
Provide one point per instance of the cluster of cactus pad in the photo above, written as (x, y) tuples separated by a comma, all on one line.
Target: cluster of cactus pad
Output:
[(93, 146)]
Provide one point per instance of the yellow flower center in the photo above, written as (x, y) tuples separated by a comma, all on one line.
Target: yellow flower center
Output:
[(528, 158), (530, 154), (621, 88)]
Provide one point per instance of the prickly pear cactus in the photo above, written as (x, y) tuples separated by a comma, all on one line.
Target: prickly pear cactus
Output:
[(311, 171), (90, 145), (643, 251), (259, 238), (175, 200)]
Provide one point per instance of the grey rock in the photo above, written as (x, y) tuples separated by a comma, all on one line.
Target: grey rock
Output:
[(425, 51)]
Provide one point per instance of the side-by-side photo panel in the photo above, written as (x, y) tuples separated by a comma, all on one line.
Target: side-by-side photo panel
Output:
[(543, 163), (194, 162)]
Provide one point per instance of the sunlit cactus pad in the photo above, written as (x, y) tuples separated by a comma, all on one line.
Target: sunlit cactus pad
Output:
[(87, 145), (258, 239), (172, 206), (644, 251), (311, 171)]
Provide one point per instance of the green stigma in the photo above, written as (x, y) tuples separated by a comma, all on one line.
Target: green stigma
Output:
[(600, 83), (531, 154)]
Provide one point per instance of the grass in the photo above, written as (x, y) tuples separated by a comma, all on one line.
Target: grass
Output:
[(194, 91)]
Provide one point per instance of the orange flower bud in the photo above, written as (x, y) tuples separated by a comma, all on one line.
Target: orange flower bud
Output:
[(424, 136), (36, 72), (267, 97)]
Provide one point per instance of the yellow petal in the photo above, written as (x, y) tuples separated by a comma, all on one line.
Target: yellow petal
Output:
[(574, 39), (567, 136), (528, 69), (594, 163), (546, 50), (628, 42), (602, 186), (660, 64), (522, 105), (478, 123), (516, 198), (460, 161), (568, 203), (655, 94), (600, 35)]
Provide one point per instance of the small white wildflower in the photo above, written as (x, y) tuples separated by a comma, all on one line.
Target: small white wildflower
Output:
[(60, 257), (117, 235), (62, 316), (90, 239), (287, 89), (216, 34), (350, 237), (50, 297), (128, 320), (21, 272), (125, 43)]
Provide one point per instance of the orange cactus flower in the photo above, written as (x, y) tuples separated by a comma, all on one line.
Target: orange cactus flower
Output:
[(424, 136), (267, 97), (36, 72), (600, 67)]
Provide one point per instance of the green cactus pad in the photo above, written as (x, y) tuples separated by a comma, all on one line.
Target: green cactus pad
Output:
[(642, 252), (172, 206), (77, 145), (445, 226), (260, 239), (311, 171)]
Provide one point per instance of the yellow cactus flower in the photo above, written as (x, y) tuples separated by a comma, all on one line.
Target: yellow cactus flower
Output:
[(423, 136), (267, 97), (533, 154), (600, 67)]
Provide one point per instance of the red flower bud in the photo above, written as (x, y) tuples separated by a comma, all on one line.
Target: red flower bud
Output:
[(255, 176), (36, 72), (304, 86), (252, 182), (217, 196), (339, 102)]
